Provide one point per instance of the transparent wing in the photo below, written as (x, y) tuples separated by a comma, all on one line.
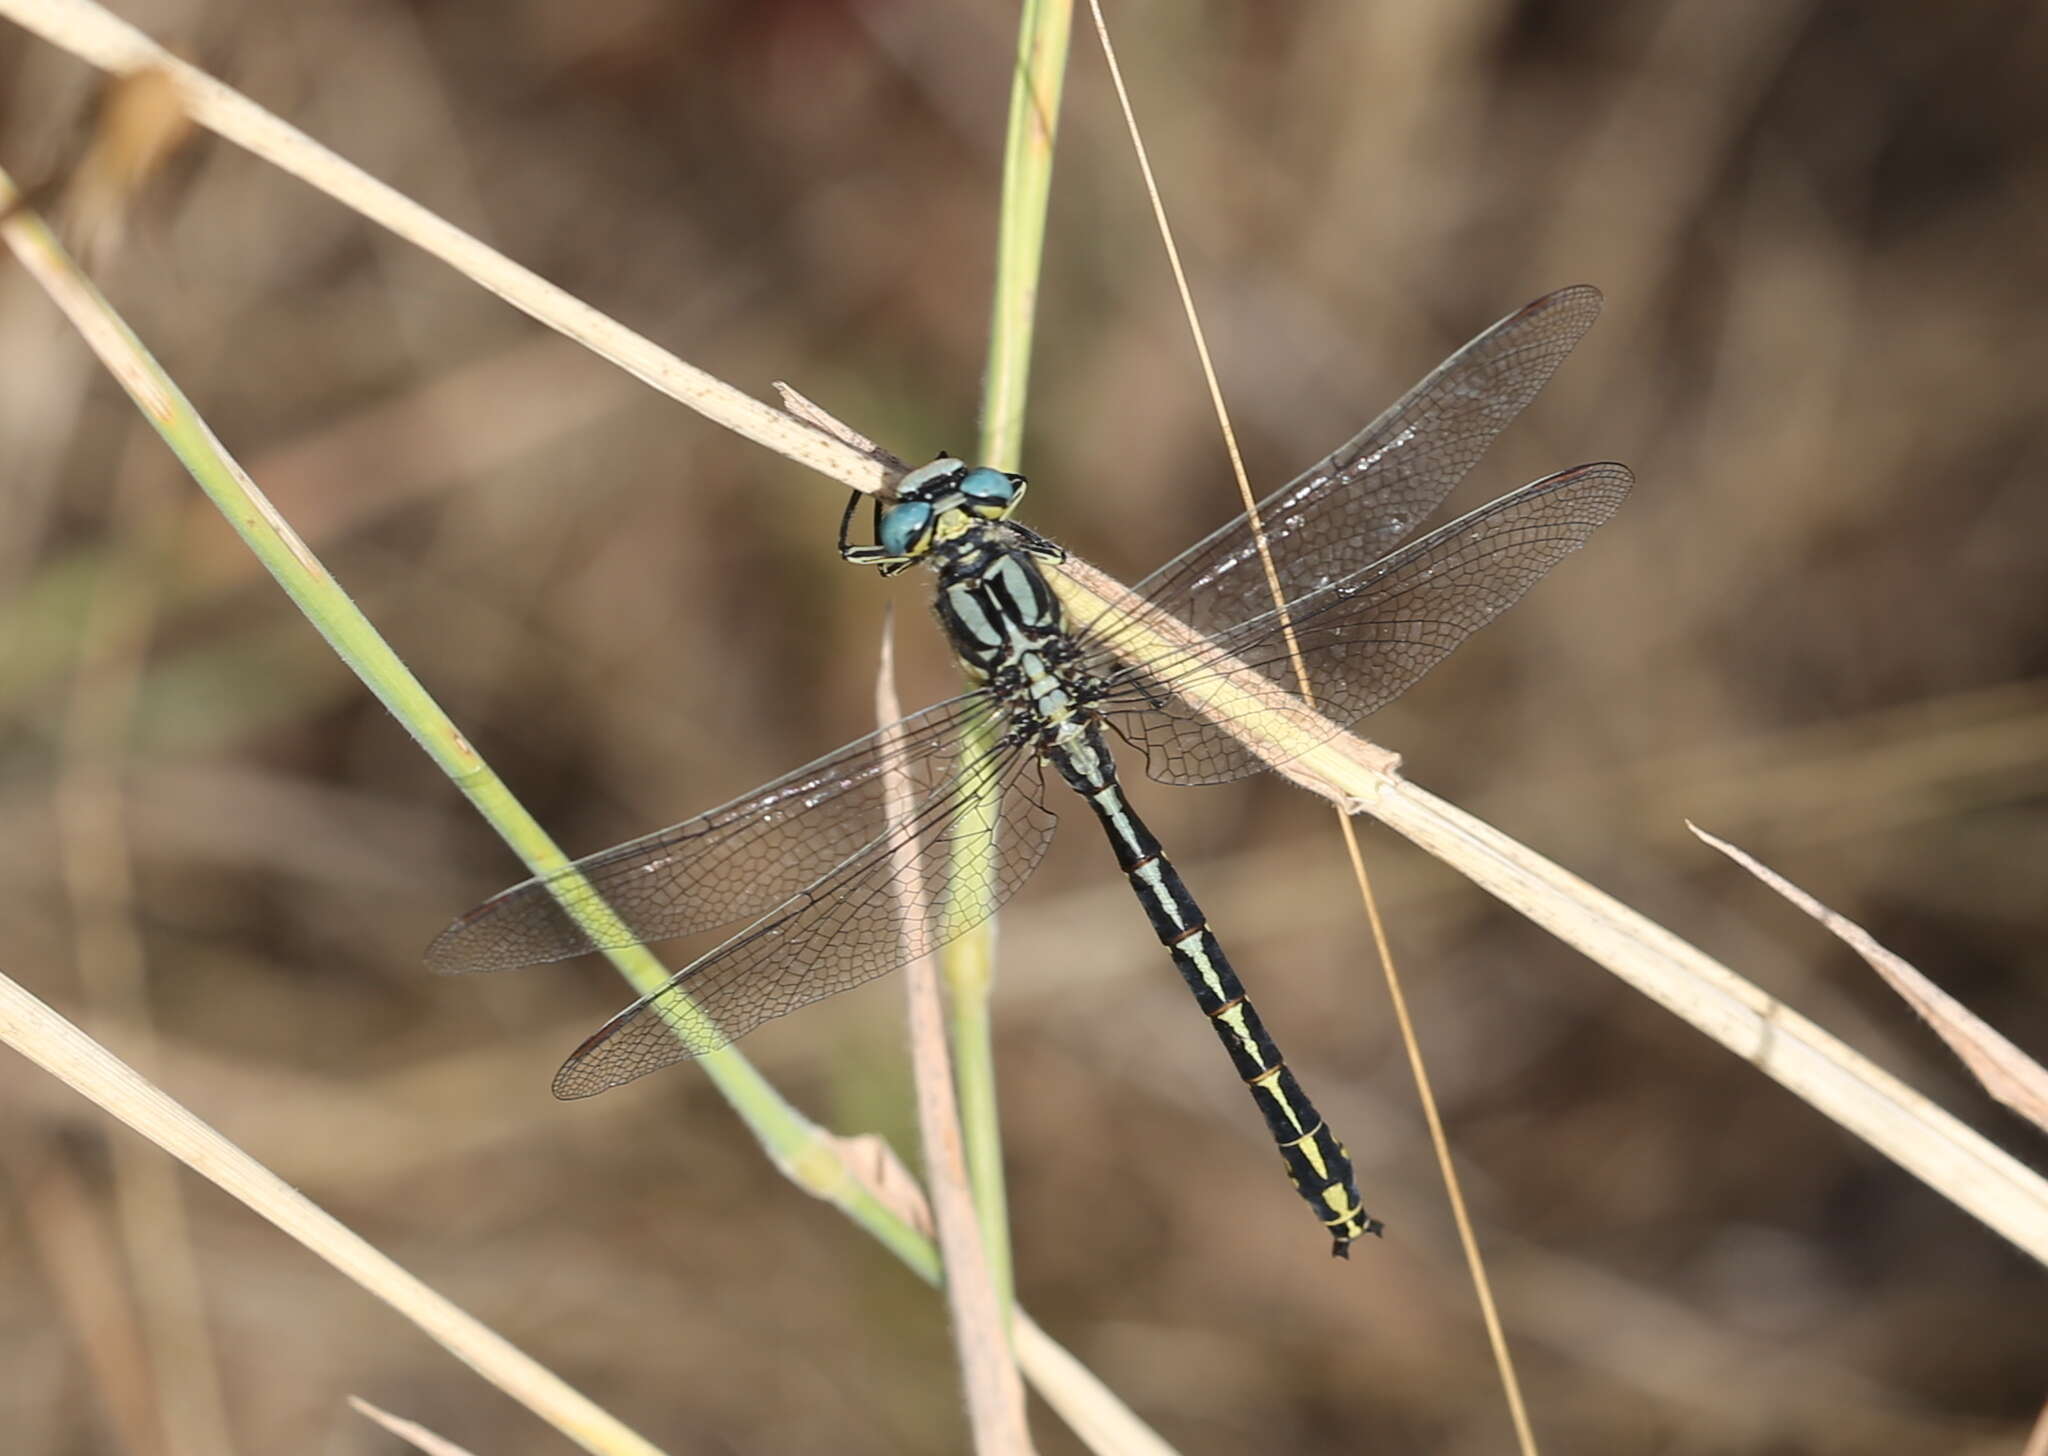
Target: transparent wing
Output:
[(727, 865), (935, 875), (1369, 495), (1365, 638)]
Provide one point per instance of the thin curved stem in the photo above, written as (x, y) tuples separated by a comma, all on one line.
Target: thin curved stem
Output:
[(968, 964)]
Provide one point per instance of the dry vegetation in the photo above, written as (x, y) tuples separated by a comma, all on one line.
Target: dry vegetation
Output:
[(1819, 628)]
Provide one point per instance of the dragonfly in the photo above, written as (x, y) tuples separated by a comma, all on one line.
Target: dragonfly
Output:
[(908, 838)]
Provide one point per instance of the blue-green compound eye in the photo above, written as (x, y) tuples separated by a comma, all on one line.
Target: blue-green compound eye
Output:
[(903, 525), (986, 487)]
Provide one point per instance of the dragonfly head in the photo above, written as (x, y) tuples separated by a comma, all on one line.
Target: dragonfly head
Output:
[(938, 501)]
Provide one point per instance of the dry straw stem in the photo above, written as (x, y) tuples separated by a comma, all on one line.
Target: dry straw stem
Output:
[(2005, 1071), (1092, 1412), (995, 1397), (75, 1059), (411, 1432)]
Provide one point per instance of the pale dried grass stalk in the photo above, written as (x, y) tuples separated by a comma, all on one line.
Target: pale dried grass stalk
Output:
[(82, 1064), (2005, 1071), (995, 1396)]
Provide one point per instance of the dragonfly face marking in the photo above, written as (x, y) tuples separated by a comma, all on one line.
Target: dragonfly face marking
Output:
[(824, 861), (934, 504)]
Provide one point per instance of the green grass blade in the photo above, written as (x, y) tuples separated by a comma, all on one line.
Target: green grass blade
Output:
[(968, 963)]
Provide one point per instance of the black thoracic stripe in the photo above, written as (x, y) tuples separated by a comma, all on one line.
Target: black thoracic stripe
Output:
[(1316, 1162)]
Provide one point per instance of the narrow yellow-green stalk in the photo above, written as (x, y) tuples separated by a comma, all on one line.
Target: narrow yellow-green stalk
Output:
[(968, 964), (1042, 44)]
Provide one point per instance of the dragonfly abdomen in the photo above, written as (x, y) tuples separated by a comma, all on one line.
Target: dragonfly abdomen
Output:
[(1316, 1161)]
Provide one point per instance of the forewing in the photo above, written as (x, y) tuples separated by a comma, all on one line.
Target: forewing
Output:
[(1365, 638), (1370, 494), (727, 865), (938, 872)]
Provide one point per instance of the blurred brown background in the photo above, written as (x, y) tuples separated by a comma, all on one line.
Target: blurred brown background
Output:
[(1819, 628)]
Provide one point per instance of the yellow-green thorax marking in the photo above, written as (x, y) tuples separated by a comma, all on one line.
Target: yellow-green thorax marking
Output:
[(1010, 633)]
